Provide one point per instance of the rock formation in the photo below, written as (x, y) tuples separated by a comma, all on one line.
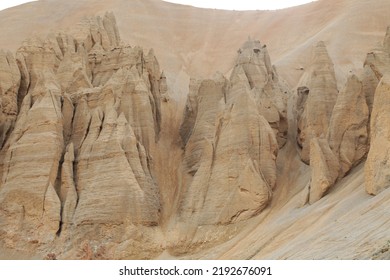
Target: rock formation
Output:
[(231, 134), (94, 166), (347, 134), (324, 167), (315, 110), (9, 86), (341, 126), (80, 153), (376, 64), (346, 142), (269, 92), (377, 170)]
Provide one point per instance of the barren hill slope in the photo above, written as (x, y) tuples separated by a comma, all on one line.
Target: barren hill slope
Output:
[(197, 42)]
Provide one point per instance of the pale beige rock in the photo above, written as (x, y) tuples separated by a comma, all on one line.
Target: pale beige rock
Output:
[(235, 178), (73, 69), (27, 196), (108, 190), (347, 134), (9, 86), (344, 225), (346, 143), (72, 96), (97, 30), (377, 63), (377, 166), (324, 167), (321, 82), (206, 99), (68, 193), (270, 93), (233, 165), (35, 57), (67, 113)]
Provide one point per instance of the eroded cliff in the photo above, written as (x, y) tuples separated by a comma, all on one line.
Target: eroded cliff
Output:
[(98, 162)]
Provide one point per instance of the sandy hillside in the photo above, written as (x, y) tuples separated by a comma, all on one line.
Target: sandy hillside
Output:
[(189, 42), (192, 42)]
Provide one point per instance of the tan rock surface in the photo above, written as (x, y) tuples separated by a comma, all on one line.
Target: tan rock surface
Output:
[(347, 134), (377, 63), (9, 86), (106, 114), (30, 207), (230, 148), (376, 167), (270, 94), (346, 144), (121, 149), (322, 85), (324, 167)]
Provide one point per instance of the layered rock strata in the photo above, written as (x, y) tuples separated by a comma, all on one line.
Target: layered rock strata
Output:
[(232, 131), (316, 100), (377, 169), (337, 130), (80, 155)]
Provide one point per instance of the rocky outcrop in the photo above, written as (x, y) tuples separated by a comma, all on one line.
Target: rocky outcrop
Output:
[(316, 100), (377, 169), (9, 87), (347, 134), (30, 206), (377, 63), (80, 156), (268, 90), (346, 142), (324, 167), (337, 121), (205, 100), (230, 134), (81, 164)]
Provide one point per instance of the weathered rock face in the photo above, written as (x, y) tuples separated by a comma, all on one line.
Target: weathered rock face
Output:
[(269, 92), (30, 206), (347, 135), (80, 147), (324, 167), (316, 109), (377, 170), (80, 154), (9, 86), (230, 133), (205, 100), (377, 63), (346, 142), (341, 132)]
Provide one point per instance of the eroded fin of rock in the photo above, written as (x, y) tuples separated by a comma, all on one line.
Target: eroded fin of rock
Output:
[(377, 169), (316, 108)]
